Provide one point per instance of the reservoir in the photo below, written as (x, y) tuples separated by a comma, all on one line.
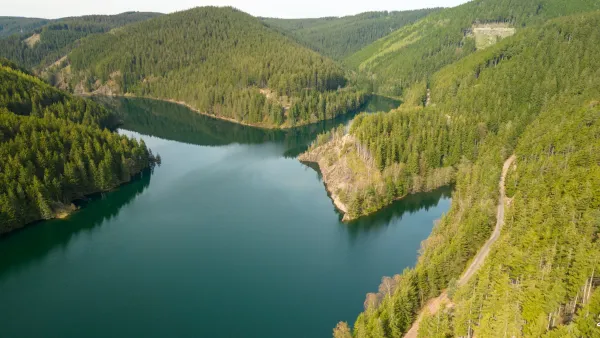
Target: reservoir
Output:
[(230, 237)]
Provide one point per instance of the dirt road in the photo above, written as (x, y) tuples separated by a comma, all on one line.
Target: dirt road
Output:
[(433, 305), (485, 249)]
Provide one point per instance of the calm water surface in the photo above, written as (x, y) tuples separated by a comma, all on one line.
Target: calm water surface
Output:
[(230, 237)]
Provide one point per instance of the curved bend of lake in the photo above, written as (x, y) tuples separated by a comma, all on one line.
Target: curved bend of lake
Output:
[(230, 237)]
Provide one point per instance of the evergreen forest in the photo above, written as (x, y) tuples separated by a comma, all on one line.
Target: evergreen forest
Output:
[(37, 43), (340, 37), (219, 61), (56, 148), (535, 95), (479, 83)]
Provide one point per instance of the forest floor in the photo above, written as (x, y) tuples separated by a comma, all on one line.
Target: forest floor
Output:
[(433, 305)]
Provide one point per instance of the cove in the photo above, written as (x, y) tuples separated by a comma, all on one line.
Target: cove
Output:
[(230, 237)]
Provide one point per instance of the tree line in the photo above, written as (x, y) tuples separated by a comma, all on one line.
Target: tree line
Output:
[(220, 61), (56, 148), (340, 37), (534, 94), (415, 52), (58, 37)]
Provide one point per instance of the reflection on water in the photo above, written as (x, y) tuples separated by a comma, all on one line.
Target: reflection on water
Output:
[(226, 227), (384, 217), (31, 243), (174, 122), (407, 205)]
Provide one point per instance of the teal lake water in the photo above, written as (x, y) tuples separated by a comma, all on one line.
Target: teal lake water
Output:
[(230, 237)]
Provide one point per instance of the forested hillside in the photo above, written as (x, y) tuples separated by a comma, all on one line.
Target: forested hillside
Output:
[(535, 95), (220, 61), (415, 52), (339, 37), (56, 148), (10, 25), (43, 42)]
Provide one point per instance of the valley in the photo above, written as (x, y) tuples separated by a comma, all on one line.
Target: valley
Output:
[(219, 228), (191, 169)]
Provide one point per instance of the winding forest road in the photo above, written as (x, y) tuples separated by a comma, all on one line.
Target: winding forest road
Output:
[(433, 305), (485, 249)]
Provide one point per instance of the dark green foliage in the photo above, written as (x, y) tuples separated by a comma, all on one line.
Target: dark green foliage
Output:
[(54, 149), (220, 61), (24, 94), (57, 37), (340, 37), (415, 52), (10, 25)]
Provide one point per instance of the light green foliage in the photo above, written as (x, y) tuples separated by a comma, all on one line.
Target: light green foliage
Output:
[(415, 52), (55, 148), (437, 325), (588, 317), (533, 94), (339, 37)]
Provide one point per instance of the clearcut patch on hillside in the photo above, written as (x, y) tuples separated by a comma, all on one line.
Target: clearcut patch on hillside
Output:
[(489, 34), (32, 40)]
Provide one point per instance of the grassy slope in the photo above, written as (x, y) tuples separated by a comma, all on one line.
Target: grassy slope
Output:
[(339, 37), (415, 52)]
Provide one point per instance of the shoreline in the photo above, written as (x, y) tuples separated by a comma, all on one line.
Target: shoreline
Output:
[(66, 210), (284, 126), (339, 176), (339, 205)]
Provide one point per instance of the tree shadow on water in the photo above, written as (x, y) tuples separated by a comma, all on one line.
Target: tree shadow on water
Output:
[(34, 242), (171, 121), (408, 205)]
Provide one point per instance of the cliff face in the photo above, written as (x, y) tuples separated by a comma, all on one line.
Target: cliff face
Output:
[(355, 183), (344, 172)]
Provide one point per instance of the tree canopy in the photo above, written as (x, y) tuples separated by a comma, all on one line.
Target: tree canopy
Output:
[(534, 94), (220, 61), (339, 37), (56, 148), (38, 43), (415, 52)]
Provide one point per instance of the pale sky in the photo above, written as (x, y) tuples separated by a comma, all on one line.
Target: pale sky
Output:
[(52, 9)]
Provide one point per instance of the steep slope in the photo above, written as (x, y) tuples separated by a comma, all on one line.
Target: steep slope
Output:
[(433, 305), (415, 52), (43, 42), (339, 37), (219, 61), (54, 149), (534, 94)]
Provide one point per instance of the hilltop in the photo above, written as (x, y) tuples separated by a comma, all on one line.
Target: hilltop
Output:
[(339, 37), (10, 25), (219, 61), (410, 55), (38, 43)]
